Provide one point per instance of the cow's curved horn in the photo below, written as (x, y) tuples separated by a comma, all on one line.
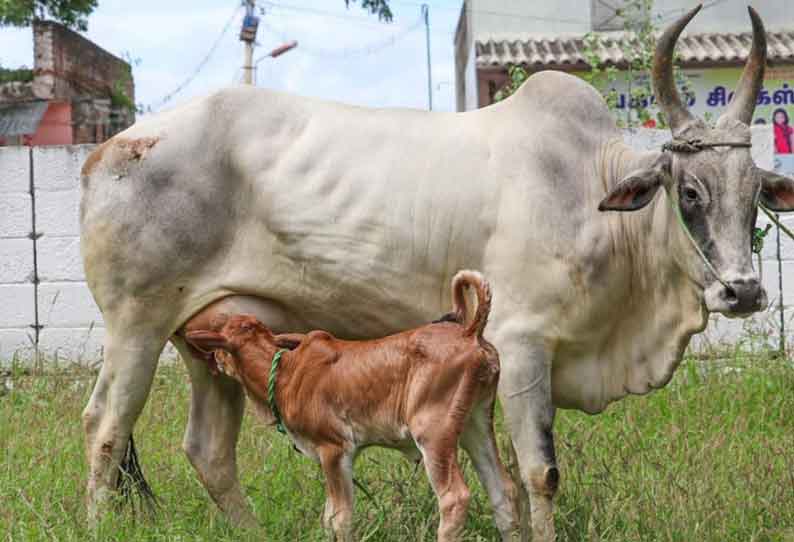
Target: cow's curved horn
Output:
[(663, 81), (743, 104)]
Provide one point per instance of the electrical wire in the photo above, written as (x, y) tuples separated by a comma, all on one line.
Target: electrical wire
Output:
[(674, 13), (200, 66), (368, 49), (308, 9)]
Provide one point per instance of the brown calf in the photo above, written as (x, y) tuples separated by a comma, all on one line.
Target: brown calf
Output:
[(422, 390)]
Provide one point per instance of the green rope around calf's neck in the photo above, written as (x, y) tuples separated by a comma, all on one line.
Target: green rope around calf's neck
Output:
[(271, 392)]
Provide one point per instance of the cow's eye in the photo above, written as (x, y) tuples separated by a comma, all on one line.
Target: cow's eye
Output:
[(691, 195)]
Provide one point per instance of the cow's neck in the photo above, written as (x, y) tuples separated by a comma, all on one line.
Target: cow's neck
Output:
[(253, 370), (650, 305), (650, 241)]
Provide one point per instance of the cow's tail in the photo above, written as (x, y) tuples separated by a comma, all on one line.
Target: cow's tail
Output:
[(471, 279), (131, 481)]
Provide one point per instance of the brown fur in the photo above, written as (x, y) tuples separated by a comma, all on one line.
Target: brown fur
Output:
[(416, 389), (128, 149)]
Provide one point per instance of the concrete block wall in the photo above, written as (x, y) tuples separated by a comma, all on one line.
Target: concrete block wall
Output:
[(71, 324), (47, 303), (17, 295), (52, 294)]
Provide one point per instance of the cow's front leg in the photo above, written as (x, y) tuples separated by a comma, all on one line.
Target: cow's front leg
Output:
[(525, 392)]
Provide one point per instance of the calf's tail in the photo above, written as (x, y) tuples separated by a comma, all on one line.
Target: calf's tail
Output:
[(131, 480), (471, 279)]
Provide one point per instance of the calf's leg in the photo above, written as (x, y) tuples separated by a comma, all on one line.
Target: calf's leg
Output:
[(479, 441), (217, 405), (338, 515), (441, 463)]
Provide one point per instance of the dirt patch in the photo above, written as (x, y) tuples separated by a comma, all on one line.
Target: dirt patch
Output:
[(125, 150)]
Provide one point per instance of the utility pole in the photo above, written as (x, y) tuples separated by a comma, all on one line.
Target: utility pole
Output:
[(426, 17), (782, 340), (248, 36)]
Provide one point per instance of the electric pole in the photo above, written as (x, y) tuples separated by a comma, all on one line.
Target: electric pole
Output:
[(426, 17), (248, 36)]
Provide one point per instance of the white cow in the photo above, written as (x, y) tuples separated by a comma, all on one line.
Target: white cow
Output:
[(312, 214)]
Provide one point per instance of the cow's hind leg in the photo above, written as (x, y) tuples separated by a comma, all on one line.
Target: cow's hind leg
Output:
[(130, 359), (210, 442), (479, 441)]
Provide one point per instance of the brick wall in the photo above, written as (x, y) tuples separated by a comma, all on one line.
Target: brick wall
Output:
[(76, 67)]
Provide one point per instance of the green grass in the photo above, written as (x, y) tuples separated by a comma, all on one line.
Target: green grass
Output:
[(709, 458)]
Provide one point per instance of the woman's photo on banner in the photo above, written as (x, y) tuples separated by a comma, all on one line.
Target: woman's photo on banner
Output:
[(784, 133)]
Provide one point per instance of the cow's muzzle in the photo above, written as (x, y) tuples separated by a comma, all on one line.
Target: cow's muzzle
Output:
[(739, 297)]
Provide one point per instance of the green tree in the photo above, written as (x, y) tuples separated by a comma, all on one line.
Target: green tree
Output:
[(376, 7), (516, 77), (637, 46), (72, 13)]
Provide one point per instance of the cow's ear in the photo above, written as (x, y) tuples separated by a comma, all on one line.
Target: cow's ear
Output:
[(208, 340), (638, 188), (777, 192)]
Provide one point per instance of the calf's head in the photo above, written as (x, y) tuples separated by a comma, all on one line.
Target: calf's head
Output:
[(243, 337), (716, 188)]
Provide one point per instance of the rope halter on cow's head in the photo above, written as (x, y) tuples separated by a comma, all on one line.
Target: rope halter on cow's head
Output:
[(679, 118), (692, 136), (691, 146)]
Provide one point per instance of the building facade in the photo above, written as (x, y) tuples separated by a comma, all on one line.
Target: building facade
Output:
[(76, 92), (494, 34)]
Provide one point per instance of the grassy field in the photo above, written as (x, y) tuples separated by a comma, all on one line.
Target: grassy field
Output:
[(709, 458)]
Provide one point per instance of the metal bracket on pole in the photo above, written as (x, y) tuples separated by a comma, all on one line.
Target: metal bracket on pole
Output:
[(248, 36)]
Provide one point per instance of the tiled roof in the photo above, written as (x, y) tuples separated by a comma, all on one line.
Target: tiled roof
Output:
[(569, 52)]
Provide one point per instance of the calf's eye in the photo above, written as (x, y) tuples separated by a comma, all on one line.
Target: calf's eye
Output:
[(691, 195)]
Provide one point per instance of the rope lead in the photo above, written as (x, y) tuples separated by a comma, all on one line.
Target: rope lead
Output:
[(271, 392), (693, 241)]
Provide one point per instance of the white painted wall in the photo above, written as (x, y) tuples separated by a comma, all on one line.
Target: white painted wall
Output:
[(16, 251), (501, 18), (728, 15), (72, 325), (471, 90)]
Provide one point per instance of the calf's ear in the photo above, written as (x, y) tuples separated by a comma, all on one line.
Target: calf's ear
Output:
[(207, 340), (638, 188), (777, 192), (291, 341)]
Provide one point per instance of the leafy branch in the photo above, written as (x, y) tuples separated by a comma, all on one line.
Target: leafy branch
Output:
[(71, 13)]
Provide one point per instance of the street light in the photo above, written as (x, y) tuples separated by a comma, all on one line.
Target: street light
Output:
[(278, 51)]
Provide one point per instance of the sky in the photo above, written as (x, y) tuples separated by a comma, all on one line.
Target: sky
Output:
[(343, 54)]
